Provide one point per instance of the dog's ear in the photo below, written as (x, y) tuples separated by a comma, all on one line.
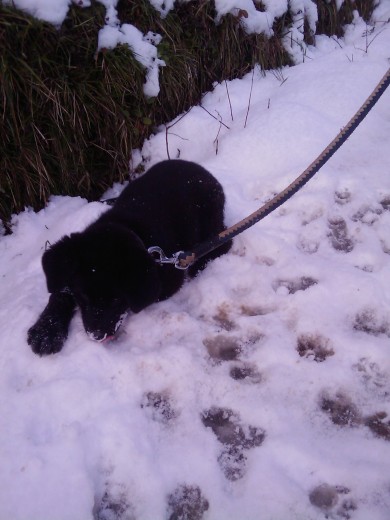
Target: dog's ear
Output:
[(58, 264)]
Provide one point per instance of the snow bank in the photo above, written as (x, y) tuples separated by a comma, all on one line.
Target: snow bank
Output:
[(144, 47)]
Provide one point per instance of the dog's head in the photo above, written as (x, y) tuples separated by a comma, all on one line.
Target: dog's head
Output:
[(109, 273)]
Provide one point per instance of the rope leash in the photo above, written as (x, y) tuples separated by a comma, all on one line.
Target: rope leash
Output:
[(183, 259)]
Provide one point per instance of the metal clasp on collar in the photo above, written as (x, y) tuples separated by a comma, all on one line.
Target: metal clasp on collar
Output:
[(163, 259)]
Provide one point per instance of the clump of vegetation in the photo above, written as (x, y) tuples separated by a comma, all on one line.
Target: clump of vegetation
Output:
[(70, 115), (332, 19)]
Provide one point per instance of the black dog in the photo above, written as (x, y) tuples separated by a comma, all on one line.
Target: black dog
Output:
[(107, 271)]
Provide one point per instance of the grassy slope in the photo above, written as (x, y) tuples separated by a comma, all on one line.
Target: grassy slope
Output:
[(70, 117)]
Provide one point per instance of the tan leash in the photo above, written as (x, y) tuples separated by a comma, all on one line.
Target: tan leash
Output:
[(183, 259)]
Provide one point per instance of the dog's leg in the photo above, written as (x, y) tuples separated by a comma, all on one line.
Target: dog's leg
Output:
[(49, 333)]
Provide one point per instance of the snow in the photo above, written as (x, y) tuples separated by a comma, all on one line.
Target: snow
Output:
[(143, 47), (250, 18), (109, 431)]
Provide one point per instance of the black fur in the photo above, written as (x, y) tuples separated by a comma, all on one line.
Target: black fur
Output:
[(106, 270)]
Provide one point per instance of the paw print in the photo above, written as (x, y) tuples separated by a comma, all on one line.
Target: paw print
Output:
[(327, 498), (296, 284), (314, 346), (223, 347), (186, 503), (341, 410), (158, 407), (235, 437), (339, 236), (369, 322), (114, 504)]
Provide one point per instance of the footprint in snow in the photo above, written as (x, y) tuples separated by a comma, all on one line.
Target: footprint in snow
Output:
[(375, 380), (340, 409), (113, 504), (224, 347), (256, 310), (228, 319), (236, 438), (158, 407), (223, 319), (343, 412), (327, 498), (342, 196), (294, 285), (314, 346), (245, 372), (367, 215), (186, 503), (308, 245), (379, 424), (339, 236), (385, 202), (369, 322)]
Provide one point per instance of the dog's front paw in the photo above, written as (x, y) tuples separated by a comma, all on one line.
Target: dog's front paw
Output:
[(46, 336), (49, 333)]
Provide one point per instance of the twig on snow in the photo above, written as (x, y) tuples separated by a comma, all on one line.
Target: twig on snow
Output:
[(213, 116), (230, 103), (167, 128), (250, 97)]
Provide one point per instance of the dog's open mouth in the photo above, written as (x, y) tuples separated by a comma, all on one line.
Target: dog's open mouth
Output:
[(106, 337), (100, 339)]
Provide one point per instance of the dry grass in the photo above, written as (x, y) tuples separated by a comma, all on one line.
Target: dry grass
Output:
[(331, 21), (70, 118)]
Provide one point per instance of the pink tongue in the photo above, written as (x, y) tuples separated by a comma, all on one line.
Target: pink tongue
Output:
[(107, 339)]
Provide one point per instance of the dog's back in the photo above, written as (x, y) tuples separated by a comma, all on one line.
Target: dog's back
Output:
[(176, 204)]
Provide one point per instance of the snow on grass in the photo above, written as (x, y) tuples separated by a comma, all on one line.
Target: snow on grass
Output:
[(260, 390), (144, 46)]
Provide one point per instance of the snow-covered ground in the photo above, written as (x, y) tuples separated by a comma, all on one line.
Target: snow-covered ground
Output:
[(259, 391)]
